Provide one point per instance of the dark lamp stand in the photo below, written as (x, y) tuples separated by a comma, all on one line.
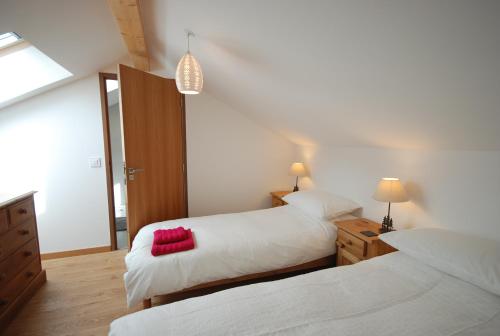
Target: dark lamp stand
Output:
[(296, 188), (387, 222)]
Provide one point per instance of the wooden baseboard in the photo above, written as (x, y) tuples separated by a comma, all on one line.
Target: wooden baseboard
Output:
[(73, 253)]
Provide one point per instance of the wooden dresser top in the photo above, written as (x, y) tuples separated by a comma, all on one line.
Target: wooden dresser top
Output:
[(6, 199)]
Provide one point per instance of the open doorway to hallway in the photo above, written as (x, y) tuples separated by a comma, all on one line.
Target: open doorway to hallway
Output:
[(114, 161)]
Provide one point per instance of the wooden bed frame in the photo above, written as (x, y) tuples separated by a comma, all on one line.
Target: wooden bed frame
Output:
[(218, 285)]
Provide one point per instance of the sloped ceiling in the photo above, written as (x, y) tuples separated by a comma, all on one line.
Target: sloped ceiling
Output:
[(80, 35), (400, 74)]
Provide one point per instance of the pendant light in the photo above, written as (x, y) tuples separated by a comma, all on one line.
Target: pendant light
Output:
[(188, 76)]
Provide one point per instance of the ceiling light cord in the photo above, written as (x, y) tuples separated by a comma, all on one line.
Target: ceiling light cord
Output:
[(189, 34)]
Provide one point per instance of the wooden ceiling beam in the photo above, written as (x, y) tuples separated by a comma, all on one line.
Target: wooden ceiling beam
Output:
[(128, 18)]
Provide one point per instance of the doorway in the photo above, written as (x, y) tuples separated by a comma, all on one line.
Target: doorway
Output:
[(143, 125), (114, 160)]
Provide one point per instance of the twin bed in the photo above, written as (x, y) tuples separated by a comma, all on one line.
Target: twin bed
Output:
[(229, 248), (438, 283), (390, 295)]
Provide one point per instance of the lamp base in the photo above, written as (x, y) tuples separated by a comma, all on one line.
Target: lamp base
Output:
[(296, 188), (387, 225)]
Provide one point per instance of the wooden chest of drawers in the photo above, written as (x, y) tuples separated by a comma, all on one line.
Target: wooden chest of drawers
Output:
[(21, 271)]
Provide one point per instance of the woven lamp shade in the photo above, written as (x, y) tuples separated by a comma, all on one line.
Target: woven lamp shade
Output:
[(188, 76)]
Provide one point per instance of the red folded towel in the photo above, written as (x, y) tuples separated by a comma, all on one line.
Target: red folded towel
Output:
[(184, 245), (170, 235)]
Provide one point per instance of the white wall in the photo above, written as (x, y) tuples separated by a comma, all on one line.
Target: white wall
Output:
[(459, 190), (45, 143), (233, 163)]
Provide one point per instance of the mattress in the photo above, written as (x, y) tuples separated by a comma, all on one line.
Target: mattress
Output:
[(389, 295), (227, 246)]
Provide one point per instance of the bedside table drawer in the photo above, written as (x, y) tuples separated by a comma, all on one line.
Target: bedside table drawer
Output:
[(352, 244), (344, 257), (276, 202), (277, 198)]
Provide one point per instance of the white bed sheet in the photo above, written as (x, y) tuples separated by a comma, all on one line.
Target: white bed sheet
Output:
[(389, 295), (227, 246)]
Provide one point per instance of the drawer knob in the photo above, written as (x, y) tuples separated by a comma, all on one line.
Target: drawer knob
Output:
[(3, 276), (22, 211), (3, 302), (349, 242), (28, 253), (29, 274), (24, 232)]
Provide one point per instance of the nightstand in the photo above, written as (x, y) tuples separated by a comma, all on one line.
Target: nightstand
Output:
[(277, 198), (353, 246)]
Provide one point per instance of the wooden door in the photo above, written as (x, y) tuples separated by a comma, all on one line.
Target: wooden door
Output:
[(154, 148)]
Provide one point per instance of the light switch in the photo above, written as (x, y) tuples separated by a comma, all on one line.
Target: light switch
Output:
[(95, 162)]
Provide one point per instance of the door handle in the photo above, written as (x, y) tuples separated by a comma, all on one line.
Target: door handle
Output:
[(131, 173), (134, 170)]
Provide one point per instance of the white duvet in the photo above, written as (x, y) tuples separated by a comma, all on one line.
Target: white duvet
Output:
[(390, 295), (226, 246)]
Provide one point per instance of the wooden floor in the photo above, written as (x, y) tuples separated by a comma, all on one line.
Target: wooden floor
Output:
[(81, 297)]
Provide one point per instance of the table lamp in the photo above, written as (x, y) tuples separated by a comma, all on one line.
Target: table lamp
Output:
[(390, 190), (297, 169)]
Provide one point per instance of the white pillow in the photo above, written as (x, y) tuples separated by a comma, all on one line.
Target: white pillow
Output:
[(320, 204), (470, 258)]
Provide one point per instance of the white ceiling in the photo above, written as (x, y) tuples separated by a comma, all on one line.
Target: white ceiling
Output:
[(79, 35), (401, 74)]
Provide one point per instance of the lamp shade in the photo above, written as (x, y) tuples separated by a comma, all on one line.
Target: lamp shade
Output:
[(297, 169), (390, 190), (188, 76)]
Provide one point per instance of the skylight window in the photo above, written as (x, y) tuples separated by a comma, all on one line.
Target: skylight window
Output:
[(8, 39), (24, 68)]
